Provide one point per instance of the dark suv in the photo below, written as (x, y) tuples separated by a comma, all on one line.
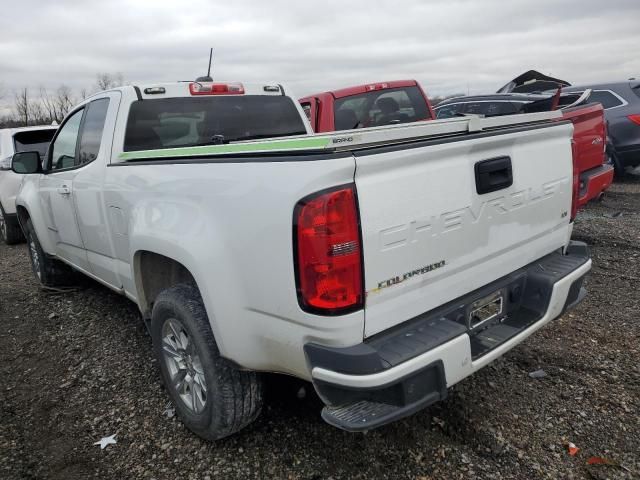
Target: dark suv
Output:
[(621, 102)]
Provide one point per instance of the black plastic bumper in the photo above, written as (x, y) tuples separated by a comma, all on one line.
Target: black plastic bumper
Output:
[(526, 294)]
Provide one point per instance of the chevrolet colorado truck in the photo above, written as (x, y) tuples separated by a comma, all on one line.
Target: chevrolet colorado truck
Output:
[(370, 105), (383, 264), (14, 140)]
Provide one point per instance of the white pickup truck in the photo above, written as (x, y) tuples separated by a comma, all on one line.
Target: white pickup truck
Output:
[(384, 264)]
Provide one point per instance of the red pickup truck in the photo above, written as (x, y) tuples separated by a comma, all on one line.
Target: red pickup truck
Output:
[(371, 105), (404, 101)]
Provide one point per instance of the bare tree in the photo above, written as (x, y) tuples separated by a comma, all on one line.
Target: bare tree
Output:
[(37, 114), (64, 102), (48, 104), (105, 81), (21, 106), (56, 105)]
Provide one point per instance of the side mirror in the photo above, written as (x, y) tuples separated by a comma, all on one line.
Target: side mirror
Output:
[(26, 162)]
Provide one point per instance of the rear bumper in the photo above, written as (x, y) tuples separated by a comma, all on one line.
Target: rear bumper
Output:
[(593, 182), (409, 367)]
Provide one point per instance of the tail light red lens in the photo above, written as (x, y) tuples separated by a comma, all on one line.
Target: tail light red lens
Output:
[(634, 118), (206, 88), (328, 252)]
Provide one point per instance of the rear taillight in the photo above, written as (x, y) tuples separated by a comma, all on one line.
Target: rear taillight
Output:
[(207, 88), (634, 118), (328, 252)]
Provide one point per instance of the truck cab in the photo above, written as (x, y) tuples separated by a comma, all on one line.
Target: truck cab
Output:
[(369, 105)]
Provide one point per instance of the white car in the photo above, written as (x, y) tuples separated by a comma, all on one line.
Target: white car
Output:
[(14, 140), (384, 264)]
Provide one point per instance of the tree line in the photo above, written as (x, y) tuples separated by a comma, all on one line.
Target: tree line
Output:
[(44, 107)]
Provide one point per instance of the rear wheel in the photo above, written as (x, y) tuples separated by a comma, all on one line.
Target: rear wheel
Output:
[(212, 397), (618, 166), (10, 232), (49, 271)]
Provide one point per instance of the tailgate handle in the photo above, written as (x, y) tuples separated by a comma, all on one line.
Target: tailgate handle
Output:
[(493, 174)]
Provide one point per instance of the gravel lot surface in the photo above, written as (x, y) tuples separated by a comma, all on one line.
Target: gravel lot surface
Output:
[(78, 366)]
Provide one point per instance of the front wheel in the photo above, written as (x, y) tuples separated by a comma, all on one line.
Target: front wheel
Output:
[(212, 397), (49, 271)]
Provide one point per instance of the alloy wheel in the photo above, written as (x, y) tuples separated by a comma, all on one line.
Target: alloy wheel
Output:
[(184, 365)]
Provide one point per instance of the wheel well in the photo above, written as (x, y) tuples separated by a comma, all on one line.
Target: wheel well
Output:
[(155, 273), (23, 216)]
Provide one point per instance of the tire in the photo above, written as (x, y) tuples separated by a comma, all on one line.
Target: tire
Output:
[(189, 359), (618, 166), (10, 232), (49, 271)]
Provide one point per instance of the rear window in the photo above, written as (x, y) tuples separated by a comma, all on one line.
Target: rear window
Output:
[(607, 99), (486, 107), (186, 121), (380, 107), (500, 108), (33, 141)]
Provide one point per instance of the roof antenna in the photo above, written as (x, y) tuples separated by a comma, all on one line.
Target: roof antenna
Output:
[(207, 78)]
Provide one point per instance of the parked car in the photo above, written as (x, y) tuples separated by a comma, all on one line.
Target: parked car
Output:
[(14, 140), (384, 265), (595, 174), (370, 105), (621, 102)]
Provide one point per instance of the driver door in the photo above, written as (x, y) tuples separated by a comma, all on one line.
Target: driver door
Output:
[(56, 192)]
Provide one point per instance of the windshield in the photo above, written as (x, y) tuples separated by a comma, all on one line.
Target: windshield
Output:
[(187, 122), (33, 141), (381, 107)]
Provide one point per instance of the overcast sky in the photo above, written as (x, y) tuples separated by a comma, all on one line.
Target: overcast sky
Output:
[(450, 46)]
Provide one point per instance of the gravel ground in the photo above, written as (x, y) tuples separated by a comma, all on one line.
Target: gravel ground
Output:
[(78, 366)]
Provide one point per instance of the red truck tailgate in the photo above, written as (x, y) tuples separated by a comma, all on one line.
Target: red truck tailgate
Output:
[(589, 137), (588, 134)]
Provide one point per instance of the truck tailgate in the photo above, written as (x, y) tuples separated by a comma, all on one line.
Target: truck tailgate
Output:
[(433, 229), (588, 134)]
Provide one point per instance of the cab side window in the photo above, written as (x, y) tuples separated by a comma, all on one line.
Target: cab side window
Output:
[(448, 111), (92, 131), (307, 110), (64, 146)]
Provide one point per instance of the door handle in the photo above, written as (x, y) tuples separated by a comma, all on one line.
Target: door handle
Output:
[(493, 174), (64, 190)]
